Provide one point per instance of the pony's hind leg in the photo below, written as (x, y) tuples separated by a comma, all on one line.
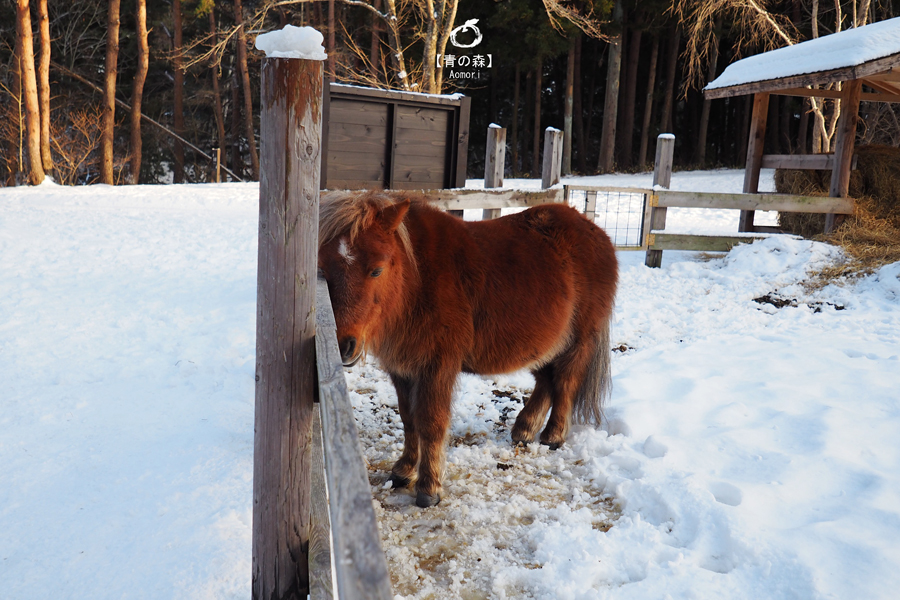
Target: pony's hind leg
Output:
[(404, 470), (535, 410), (568, 373)]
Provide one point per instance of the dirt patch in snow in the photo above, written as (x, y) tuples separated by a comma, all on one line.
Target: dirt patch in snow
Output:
[(494, 493)]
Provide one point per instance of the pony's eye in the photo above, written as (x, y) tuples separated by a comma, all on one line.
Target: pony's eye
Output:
[(376, 272)]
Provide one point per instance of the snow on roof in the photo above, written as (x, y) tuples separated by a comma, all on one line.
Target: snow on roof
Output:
[(454, 96), (839, 50), (292, 42)]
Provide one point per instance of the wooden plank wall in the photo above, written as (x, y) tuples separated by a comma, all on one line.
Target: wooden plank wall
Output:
[(420, 148), (357, 144), (378, 139)]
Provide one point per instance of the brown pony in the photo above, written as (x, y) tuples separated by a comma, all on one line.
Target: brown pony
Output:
[(431, 295)]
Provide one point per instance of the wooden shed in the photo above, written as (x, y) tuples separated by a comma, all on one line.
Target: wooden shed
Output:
[(386, 139), (867, 57)]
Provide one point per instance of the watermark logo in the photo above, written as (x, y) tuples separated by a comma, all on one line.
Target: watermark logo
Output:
[(463, 66), (467, 26)]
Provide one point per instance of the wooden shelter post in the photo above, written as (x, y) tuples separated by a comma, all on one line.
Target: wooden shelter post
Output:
[(754, 154), (290, 142), (843, 147)]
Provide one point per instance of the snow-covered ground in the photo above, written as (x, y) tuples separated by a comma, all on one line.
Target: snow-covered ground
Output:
[(750, 451)]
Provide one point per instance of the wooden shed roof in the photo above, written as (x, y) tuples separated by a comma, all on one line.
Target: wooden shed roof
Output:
[(870, 53)]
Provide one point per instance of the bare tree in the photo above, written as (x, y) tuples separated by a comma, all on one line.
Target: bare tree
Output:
[(217, 93), (29, 90), (137, 91), (44, 85), (178, 167), (241, 42), (707, 103), (611, 104), (568, 108), (109, 95), (648, 104)]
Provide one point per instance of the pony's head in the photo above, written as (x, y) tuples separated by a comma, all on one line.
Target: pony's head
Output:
[(365, 255)]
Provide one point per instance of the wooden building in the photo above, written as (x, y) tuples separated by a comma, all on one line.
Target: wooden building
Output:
[(386, 139), (864, 57)]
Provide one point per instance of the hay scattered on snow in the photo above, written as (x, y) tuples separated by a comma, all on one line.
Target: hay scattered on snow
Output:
[(871, 236)]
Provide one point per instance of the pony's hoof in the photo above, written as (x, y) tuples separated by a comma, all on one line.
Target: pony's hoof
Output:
[(424, 500), (521, 439), (398, 481), (552, 445)]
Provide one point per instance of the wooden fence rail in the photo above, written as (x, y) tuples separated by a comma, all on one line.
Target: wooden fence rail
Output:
[(360, 569)]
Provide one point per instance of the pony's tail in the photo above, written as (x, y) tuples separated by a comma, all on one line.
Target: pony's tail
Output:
[(597, 384)]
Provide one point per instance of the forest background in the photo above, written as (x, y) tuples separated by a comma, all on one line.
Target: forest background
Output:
[(148, 91)]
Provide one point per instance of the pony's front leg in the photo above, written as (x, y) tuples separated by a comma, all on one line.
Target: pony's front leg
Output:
[(404, 470), (431, 403)]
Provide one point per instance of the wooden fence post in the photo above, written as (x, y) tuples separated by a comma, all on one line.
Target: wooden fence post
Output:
[(754, 155), (843, 147), (494, 160), (662, 176), (552, 166), (290, 139)]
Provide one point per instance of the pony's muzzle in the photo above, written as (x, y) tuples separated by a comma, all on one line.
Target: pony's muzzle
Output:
[(348, 348)]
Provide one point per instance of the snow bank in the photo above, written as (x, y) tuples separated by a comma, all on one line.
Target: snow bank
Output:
[(292, 42)]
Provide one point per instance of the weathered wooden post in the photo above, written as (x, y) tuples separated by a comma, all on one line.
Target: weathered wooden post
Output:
[(662, 177), (843, 147), (754, 155), (494, 161), (552, 165), (290, 142)]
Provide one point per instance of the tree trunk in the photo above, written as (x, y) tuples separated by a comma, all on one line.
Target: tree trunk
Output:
[(245, 83), (746, 111), (803, 134), (629, 97), (217, 93), (536, 147), (429, 52), (648, 104), (449, 10), (772, 129), (611, 103), (578, 108), (598, 59), (107, 128), (666, 124), (526, 120), (137, 91), (707, 103), (568, 108), (44, 85), (178, 169), (785, 142), (237, 161), (375, 44), (330, 50), (17, 162), (29, 90), (514, 141)]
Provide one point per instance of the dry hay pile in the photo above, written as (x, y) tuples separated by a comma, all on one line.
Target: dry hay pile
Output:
[(871, 236)]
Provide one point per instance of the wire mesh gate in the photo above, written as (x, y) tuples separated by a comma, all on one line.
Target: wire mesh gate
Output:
[(621, 212)]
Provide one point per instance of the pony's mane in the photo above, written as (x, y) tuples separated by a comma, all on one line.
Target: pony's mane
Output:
[(349, 213)]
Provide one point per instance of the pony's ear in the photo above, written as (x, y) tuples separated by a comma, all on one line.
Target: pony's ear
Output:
[(391, 216)]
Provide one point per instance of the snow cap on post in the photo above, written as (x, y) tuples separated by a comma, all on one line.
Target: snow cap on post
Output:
[(292, 42)]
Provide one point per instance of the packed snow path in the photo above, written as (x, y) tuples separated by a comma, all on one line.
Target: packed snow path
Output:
[(750, 451)]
